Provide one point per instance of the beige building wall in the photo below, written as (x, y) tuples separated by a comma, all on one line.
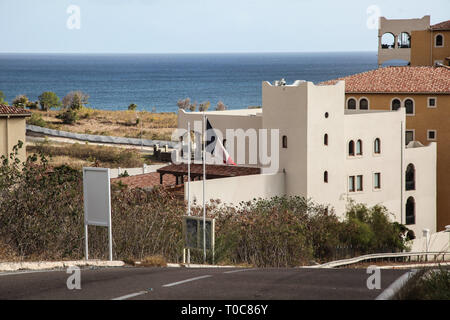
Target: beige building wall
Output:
[(12, 129), (423, 120), (396, 27), (424, 51)]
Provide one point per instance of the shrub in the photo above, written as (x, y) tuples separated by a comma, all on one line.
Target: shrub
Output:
[(20, 101), (132, 106), (49, 99), (36, 120), (68, 116)]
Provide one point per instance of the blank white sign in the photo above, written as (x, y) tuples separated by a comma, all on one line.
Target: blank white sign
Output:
[(97, 196)]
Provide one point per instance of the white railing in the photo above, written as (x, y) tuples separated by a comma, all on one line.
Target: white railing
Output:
[(420, 256)]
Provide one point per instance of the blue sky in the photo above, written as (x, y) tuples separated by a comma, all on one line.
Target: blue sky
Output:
[(178, 26)]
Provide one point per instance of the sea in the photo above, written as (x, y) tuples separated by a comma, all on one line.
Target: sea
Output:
[(155, 82)]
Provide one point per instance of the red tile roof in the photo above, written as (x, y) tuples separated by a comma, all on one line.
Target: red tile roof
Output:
[(8, 110), (445, 25), (147, 180), (398, 80), (212, 170)]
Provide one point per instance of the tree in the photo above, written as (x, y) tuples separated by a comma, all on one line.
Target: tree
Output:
[(20, 101), (204, 106), (221, 106), (49, 100), (193, 106), (184, 103), (68, 116), (132, 106), (2, 98), (75, 100)]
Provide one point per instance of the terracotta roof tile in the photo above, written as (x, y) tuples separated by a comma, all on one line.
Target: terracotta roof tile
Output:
[(398, 80), (444, 25), (147, 180), (9, 110)]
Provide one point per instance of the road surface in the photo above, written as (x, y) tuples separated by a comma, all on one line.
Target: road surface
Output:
[(130, 283)]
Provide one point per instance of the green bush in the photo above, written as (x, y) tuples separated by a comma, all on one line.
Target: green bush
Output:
[(36, 120), (68, 116)]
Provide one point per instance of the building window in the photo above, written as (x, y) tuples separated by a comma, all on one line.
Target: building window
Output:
[(432, 103), (409, 106), (325, 139), (387, 41), (359, 183), (404, 40), (395, 104), (410, 177), (284, 143), (351, 184), (325, 176), (431, 135), (363, 104), (351, 104), (410, 211), (377, 146), (439, 40), (409, 136), (359, 150), (377, 180), (351, 148)]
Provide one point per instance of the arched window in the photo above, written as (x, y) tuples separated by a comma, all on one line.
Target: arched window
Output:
[(325, 139), (404, 40), (363, 104), (377, 146), (410, 177), (395, 104), (439, 40), (325, 176), (409, 106), (351, 104), (351, 148), (410, 211), (284, 141), (359, 146), (387, 41)]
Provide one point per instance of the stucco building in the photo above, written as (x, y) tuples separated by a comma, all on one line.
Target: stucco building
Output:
[(424, 94), (414, 40), (12, 129), (327, 153)]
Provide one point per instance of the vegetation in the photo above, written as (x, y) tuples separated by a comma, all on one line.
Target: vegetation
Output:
[(132, 106), (427, 284), (48, 100), (20, 101), (68, 116), (85, 154), (75, 100), (42, 208), (204, 106), (221, 106), (36, 120), (2, 98)]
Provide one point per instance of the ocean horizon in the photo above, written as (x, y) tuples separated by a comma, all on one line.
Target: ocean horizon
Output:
[(158, 81)]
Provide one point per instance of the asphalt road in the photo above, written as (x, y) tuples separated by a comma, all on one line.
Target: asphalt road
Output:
[(192, 284)]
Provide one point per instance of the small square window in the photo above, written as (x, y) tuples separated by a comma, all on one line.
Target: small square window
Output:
[(431, 134), (432, 103)]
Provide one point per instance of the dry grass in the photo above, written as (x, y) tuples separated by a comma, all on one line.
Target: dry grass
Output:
[(7, 253), (78, 155), (154, 261), (157, 126)]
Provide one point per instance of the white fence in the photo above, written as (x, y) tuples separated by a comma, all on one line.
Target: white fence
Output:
[(98, 138), (236, 189), (114, 173)]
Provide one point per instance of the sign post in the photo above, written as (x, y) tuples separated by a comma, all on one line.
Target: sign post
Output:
[(194, 231), (97, 202)]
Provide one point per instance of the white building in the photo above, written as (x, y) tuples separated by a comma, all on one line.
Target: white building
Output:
[(328, 154)]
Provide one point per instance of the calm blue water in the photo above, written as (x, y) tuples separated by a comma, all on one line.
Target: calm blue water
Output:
[(159, 80)]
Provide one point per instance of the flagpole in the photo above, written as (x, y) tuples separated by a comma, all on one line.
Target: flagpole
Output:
[(189, 184), (204, 178)]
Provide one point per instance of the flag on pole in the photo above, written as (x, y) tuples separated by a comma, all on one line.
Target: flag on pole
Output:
[(215, 146)]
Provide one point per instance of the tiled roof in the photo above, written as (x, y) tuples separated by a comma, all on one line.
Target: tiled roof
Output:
[(8, 110), (445, 25), (212, 170), (398, 80)]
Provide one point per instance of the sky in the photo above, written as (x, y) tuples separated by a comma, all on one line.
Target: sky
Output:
[(201, 26)]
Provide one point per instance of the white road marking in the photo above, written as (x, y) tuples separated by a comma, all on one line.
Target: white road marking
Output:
[(240, 270), (389, 292), (184, 281), (12, 273), (132, 295)]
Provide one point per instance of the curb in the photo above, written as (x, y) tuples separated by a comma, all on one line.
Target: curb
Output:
[(16, 266)]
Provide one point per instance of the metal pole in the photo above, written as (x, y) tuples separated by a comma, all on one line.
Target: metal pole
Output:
[(189, 184), (204, 178), (86, 248), (110, 243)]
